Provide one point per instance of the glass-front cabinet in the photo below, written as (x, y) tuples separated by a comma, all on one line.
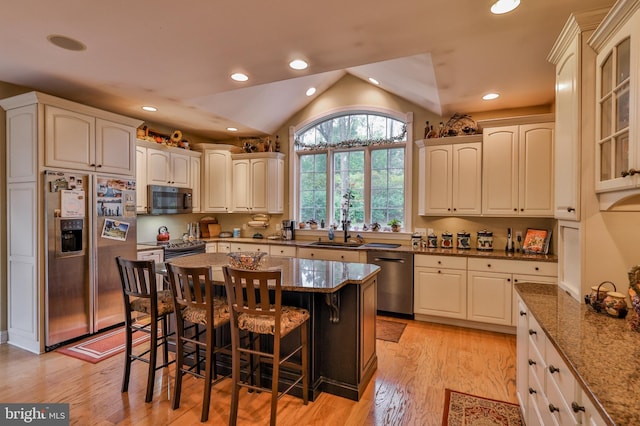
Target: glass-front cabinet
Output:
[(616, 42)]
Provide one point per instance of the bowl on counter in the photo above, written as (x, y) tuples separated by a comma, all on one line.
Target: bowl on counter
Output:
[(246, 259)]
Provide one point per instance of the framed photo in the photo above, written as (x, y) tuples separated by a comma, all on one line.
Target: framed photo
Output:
[(536, 241), (115, 230)]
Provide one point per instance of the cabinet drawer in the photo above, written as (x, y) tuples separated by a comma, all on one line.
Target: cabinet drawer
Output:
[(224, 247), (538, 410), (536, 336), (449, 262), (278, 250), (536, 364), (558, 372), (211, 248), (237, 247), (514, 266), (559, 408), (329, 254)]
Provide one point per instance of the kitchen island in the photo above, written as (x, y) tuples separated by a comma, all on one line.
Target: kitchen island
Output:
[(341, 300)]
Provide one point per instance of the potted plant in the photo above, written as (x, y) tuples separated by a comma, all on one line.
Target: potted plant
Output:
[(375, 226), (313, 224), (395, 225)]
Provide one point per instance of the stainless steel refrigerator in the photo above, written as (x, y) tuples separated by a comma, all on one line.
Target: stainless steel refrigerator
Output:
[(90, 219)]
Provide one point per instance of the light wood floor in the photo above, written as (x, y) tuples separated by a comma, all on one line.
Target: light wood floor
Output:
[(407, 389)]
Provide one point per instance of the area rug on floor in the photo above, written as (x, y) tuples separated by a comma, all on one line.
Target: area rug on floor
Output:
[(391, 331), (462, 409), (102, 346)]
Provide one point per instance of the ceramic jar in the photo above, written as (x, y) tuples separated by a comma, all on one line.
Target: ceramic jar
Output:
[(615, 304), (597, 295), (415, 241), (447, 240), (485, 240), (432, 241), (464, 240)]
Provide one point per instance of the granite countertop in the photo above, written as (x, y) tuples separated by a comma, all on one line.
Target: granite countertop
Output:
[(601, 351), (305, 275)]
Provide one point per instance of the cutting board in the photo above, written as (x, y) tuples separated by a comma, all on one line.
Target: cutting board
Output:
[(214, 229)]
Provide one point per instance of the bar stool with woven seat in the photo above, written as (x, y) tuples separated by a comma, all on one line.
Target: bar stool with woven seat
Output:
[(141, 296), (198, 314), (253, 311)]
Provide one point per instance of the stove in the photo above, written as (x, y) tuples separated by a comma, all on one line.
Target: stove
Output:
[(177, 248)]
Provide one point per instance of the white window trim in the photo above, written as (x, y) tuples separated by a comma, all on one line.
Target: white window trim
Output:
[(294, 164)]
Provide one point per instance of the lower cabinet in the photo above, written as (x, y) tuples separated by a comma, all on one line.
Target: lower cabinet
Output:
[(157, 255), (282, 251), (211, 248), (332, 254), (440, 286)]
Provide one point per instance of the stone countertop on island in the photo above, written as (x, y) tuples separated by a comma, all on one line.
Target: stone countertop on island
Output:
[(304, 275), (601, 350)]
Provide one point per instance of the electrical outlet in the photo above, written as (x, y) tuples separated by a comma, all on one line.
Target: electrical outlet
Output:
[(430, 231), (278, 227), (244, 226), (421, 231)]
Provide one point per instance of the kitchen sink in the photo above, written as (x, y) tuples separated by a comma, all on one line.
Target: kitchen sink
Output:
[(381, 245), (334, 244)]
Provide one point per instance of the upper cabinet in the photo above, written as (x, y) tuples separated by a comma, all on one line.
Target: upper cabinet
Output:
[(617, 157), (517, 166), (79, 141), (450, 176), (216, 177), (258, 182)]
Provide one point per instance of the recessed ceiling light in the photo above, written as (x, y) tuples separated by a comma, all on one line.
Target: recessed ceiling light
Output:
[(374, 81), (149, 108), (490, 96), (504, 6), (67, 43), (298, 64), (238, 76), (310, 91), (232, 129)]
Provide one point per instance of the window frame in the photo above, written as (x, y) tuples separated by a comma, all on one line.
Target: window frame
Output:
[(294, 169)]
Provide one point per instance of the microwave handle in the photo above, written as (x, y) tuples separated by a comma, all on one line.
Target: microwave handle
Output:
[(186, 201)]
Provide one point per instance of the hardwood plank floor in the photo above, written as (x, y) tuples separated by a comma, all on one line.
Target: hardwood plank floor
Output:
[(407, 389)]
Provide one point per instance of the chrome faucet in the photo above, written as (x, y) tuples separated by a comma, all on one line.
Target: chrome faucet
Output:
[(345, 227)]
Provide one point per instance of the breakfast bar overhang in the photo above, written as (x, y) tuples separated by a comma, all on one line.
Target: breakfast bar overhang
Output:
[(341, 300)]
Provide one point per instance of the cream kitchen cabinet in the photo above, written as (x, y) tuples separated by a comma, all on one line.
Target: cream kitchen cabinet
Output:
[(331, 254), (157, 255), (141, 180), (575, 90), (450, 176), (282, 251), (211, 248), (258, 182), (196, 176), (216, 177), (517, 167), (169, 168), (81, 141), (238, 247), (617, 153), (440, 286)]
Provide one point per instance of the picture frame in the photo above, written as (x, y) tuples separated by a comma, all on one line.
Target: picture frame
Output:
[(536, 241), (115, 230)]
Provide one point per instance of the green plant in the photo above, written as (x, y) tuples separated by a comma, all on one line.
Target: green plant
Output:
[(394, 222)]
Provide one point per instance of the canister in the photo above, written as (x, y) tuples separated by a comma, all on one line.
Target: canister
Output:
[(415, 241), (447, 240), (464, 240), (432, 241), (485, 240)]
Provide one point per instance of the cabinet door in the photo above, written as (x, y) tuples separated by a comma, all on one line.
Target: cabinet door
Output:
[(180, 166), (522, 369), (466, 194), (115, 146), (195, 170), (567, 133), (367, 329), (500, 171), (536, 183), (69, 139), (158, 167), (489, 297), (440, 292), (216, 182), (241, 185), (438, 184), (329, 254), (141, 179), (259, 185)]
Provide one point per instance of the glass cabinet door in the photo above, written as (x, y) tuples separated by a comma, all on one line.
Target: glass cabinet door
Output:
[(613, 98)]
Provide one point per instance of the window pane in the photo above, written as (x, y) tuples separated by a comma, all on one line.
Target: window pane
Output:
[(606, 77), (605, 118), (622, 107), (605, 160), (313, 187), (624, 57), (349, 175), (622, 154)]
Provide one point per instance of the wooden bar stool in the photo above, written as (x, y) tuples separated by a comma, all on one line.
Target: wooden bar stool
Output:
[(140, 293), (253, 311), (198, 314)]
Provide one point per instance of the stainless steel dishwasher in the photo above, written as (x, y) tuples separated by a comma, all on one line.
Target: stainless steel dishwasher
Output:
[(395, 281)]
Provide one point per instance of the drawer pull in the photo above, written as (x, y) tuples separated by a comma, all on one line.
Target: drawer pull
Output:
[(537, 268), (532, 362), (532, 391), (553, 408), (553, 369), (439, 262), (488, 265), (576, 408), (532, 332), (522, 313)]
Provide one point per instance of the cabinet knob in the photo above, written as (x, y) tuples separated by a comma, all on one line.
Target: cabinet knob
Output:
[(553, 369), (515, 280), (488, 265), (571, 209), (532, 391), (532, 332), (576, 407), (532, 362), (553, 408), (448, 209), (537, 268), (521, 210), (439, 271), (92, 165), (99, 165), (508, 280), (515, 210), (455, 210), (439, 262), (522, 313)]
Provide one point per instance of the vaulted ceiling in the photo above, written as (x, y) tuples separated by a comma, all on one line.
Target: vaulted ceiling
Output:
[(441, 55)]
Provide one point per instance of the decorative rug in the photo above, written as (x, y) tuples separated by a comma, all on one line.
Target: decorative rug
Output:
[(102, 346), (391, 331), (463, 409)]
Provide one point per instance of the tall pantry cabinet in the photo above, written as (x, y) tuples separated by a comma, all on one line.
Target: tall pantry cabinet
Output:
[(44, 131)]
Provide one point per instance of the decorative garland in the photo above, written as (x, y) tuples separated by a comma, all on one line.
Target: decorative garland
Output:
[(351, 143)]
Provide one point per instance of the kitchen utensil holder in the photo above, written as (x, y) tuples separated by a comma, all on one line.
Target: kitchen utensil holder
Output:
[(598, 305)]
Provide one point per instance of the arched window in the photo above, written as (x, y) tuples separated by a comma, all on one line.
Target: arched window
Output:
[(353, 166)]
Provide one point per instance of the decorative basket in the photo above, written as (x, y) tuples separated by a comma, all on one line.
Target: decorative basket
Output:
[(602, 301)]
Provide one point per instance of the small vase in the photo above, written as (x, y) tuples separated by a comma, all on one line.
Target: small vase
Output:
[(395, 228)]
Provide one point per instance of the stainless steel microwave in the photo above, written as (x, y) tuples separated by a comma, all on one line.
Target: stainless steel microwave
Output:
[(169, 200)]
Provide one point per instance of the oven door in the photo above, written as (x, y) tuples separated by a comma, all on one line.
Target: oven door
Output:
[(169, 200)]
